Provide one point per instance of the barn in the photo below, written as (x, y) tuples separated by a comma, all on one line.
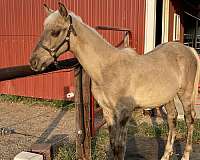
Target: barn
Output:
[(150, 22)]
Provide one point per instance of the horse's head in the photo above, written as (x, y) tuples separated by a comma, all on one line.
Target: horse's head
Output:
[(55, 38)]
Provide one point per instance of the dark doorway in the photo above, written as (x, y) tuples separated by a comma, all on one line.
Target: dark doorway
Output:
[(159, 8), (191, 31)]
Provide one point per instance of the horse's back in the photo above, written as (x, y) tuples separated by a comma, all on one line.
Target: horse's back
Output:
[(163, 70), (173, 49), (147, 77)]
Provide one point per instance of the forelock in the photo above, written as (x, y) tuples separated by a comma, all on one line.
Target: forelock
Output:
[(55, 18), (52, 18)]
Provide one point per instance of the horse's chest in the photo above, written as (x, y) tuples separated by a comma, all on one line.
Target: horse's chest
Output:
[(101, 95)]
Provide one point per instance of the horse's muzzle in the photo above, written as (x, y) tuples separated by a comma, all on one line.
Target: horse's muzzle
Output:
[(40, 64)]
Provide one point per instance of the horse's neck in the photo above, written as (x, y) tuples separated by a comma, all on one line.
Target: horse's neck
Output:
[(92, 51)]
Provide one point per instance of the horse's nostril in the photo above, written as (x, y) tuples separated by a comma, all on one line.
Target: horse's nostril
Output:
[(34, 62)]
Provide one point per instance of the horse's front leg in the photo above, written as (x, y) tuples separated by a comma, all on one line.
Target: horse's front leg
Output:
[(118, 141), (118, 133)]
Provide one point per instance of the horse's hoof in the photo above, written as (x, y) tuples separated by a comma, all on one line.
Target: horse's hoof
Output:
[(185, 158), (165, 158)]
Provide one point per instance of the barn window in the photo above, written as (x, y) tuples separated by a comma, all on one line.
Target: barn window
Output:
[(177, 26)]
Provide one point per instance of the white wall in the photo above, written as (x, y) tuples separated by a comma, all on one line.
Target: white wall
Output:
[(165, 21), (150, 25)]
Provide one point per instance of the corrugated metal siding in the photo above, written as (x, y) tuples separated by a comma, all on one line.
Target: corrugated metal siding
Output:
[(21, 24)]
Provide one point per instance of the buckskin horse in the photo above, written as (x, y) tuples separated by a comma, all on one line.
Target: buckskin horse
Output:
[(121, 81)]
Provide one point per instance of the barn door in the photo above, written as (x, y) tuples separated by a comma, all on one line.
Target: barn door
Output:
[(159, 18), (156, 23)]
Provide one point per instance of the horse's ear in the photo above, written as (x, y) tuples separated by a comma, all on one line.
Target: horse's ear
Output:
[(47, 9), (63, 11)]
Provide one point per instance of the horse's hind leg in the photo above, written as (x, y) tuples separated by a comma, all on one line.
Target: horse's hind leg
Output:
[(118, 134), (171, 119), (190, 114)]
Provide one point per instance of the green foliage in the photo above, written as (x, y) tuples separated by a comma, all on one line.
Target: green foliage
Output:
[(99, 148), (100, 143), (144, 129), (161, 130), (196, 134), (67, 152), (36, 101)]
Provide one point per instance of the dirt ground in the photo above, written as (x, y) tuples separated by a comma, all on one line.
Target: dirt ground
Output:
[(41, 124), (37, 124)]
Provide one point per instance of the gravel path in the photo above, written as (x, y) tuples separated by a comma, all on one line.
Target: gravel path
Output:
[(37, 124)]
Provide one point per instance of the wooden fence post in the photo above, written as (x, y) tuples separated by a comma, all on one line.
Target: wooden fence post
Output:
[(82, 104)]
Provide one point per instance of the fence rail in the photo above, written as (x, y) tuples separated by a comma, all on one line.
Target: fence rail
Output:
[(192, 41), (25, 70)]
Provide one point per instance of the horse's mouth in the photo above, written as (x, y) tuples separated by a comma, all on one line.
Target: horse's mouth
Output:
[(46, 64), (42, 65)]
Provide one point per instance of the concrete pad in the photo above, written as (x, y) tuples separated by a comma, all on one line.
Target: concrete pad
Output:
[(28, 156)]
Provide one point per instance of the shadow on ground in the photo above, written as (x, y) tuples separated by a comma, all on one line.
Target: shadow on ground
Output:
[(43, 137), (143, 148), (146, 148)]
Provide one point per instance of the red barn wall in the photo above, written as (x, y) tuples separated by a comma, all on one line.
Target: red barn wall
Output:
[(22, 22)]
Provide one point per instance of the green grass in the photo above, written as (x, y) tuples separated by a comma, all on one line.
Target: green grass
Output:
[(161, 130), (100, 144), (66, 152), (36, 101), (99, 148)]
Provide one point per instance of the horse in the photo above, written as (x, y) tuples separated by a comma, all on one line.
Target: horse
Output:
[(123, 82)]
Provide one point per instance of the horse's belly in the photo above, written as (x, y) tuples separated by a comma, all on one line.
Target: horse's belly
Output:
[(151, 102), (155, 97)]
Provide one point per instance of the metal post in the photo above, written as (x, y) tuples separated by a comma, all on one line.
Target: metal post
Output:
[(195, 34)]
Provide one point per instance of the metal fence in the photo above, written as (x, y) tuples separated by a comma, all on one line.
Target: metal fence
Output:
[(192, 41)]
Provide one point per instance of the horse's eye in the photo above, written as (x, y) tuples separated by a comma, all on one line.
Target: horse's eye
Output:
[(55, 33)]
